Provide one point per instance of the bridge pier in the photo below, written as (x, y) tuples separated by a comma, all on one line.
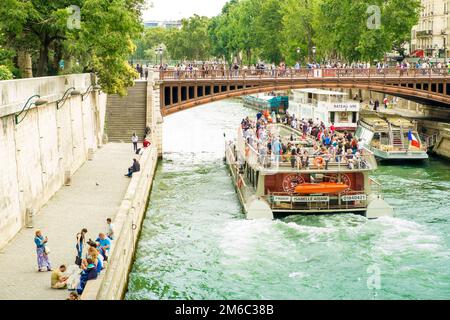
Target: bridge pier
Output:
[(154, 118)]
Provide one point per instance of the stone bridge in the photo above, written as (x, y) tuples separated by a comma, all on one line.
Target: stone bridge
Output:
[(180, 90)]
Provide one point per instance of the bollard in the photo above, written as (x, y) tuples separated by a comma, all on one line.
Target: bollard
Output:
[(67, 178), (29, 218)]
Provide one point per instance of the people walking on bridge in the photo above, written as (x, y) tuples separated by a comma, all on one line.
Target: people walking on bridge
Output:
[(42, 252), (135, 139)]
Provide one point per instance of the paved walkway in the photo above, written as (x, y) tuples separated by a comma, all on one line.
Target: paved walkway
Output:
[(81, 205)]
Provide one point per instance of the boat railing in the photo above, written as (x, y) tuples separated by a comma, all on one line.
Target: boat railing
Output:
[(274, 163), (375, 186), (429, 140), (345, 201)]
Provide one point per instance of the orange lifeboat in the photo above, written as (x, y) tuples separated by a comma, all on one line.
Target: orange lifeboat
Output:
[(324, 187)]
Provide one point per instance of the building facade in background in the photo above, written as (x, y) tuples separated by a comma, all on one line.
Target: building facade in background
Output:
[(430, 38), (163, 24)]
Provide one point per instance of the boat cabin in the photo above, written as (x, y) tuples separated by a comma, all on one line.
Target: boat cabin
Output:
[(327, 106), (391, 137), (270, 102)]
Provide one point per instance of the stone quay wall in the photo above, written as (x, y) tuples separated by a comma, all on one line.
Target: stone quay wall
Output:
[(112, 283), (40, 153)]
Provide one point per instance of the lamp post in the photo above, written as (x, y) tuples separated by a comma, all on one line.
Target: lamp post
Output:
[(160, 51), (314, 54), (298, 54), (38, 102), (69, 92), (444, 38)]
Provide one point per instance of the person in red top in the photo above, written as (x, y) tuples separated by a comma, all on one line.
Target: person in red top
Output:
[(332, 128), (146, 143)]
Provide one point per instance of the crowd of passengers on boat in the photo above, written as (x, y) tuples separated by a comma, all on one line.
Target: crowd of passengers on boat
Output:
[(314, 146)]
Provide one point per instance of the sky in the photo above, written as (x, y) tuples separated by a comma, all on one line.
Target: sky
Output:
[(178, 9)]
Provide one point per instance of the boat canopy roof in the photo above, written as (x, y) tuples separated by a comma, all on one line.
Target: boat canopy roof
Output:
[(260, 97), (382, 123), (400, 122), (377, 123)]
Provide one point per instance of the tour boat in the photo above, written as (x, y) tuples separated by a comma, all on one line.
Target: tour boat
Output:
[(327, 106), (321, 188), (271, 103), (391, 137), (270, 186)]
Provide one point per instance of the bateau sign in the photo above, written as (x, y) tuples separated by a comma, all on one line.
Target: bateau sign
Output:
[(344, 106)]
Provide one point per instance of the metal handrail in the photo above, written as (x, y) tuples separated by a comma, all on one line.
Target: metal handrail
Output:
[(356, 73)]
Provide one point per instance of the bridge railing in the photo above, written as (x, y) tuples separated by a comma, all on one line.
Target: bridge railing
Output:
[(303, 73)]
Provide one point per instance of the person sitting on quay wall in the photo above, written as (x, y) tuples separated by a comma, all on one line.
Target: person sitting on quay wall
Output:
[(58, 279), (96, 257), (73, 296), (104, 244), (136, 167), (146, 143), (89, 273), (42, 252)]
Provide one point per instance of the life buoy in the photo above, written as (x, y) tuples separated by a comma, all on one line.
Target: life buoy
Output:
[(318, 162)]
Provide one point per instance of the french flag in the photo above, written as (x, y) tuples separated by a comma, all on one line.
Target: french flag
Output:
[(414, 141)]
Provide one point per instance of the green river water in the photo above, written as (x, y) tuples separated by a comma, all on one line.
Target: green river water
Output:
[(196, 243)]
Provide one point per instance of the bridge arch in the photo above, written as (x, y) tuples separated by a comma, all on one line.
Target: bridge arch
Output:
[(179, 93)]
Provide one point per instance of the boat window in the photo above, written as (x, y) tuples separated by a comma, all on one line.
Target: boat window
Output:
[(354, 117), (332, 117), (385, 138)]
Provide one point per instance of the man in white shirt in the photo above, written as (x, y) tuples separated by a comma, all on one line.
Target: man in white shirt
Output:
[(135, 140), (110, 230)]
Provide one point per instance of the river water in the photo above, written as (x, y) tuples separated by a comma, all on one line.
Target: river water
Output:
[(196, 243)]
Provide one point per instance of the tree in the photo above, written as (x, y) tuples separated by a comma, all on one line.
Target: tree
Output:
[(191, 41), (344, 28), (268, 28), (102, 44), (5, 73), (298, 30)]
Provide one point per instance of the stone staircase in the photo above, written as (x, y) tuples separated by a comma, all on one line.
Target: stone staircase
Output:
[(125, 115)]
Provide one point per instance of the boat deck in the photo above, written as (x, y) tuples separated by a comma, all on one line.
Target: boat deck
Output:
[(270, 164)]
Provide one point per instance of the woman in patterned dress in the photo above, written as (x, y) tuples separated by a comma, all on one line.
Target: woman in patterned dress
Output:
[(42, 256)]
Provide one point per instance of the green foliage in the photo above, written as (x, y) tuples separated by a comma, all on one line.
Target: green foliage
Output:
[(5, 73), (105, 41), (191, 41), (102, 45), (273, 29), (341, 28)]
